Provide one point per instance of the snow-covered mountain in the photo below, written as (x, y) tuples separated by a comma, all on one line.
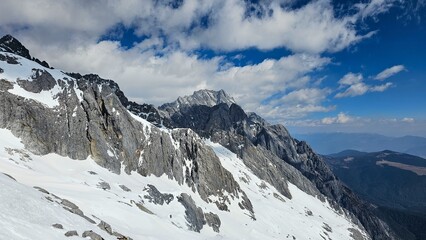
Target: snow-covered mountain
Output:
[(78, 157)]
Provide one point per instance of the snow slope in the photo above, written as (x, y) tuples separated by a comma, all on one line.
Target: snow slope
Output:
[(24, 70), (26, 213)]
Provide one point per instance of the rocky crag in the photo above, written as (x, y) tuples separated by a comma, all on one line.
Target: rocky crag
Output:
[(79, 116)]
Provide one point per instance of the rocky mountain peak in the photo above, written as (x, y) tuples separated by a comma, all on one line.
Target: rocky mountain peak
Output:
[(203, 97), (10, 44), (212, 153)]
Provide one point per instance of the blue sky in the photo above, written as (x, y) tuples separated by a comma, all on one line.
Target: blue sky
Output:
[(315, 66)]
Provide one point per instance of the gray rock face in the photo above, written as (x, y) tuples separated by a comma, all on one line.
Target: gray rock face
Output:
[(194, 215), (71, 233), (8, 59), (104, 185), (100, 126), (71, 207), (5, 85), (126, 189), (41, 190), (201, 97), (40, 81), (156, 196), (38, 126), (273, 155), (58, 226), (92, 235), (12, 45), (106, 227), (213, 221)]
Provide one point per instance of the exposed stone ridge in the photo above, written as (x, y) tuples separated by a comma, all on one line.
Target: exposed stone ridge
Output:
[(204, 97), (260, 144), (10, 44), (97, 124), (145, 111)]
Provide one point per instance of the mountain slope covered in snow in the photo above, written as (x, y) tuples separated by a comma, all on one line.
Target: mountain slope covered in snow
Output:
[(101, 165)]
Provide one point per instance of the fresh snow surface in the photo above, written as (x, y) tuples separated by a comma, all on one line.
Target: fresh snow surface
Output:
[(27, 214), (24, 71), (277, 216)]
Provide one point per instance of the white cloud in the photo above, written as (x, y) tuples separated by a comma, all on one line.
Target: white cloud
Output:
[(355, 86), (374, 7), (408, 120), (164, 65), (146, 77), (296, 104), (350, 79), (312, 28), (389, 72), (356, 89), (381, 88), (341, 118)]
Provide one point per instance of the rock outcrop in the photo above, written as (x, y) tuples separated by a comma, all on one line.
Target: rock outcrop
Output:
[(89, 119), (86, 115), (273, 155)]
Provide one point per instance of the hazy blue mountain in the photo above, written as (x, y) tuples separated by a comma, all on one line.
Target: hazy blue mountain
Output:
[(328, 143), (395, 182)]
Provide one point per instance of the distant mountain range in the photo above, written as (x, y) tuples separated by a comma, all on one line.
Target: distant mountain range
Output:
[(396, 182), (328, 143)]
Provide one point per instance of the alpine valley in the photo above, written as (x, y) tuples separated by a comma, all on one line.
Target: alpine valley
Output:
[(79, 160)]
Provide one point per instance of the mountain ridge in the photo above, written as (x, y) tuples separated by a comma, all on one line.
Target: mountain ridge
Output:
[(394, 181), (101, 123), (365, 142)]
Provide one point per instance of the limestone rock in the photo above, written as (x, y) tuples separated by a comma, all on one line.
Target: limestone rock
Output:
[(58, 226), (71, 233), (213, 221), (40, 81), (105, 226), (104, 185), (156, 196), (92, 235), (194, 215), (126, 189)]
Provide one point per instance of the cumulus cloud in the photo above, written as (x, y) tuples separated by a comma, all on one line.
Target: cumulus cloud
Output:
[(381, 88), (297, 103), (220, 24), (146, 77), (356, 89), (389, 72), (164, 64), (341, 118), (350, 79), (355, 86)]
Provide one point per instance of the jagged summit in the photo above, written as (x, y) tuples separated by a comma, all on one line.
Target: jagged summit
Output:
[(201, 97), (204, 97), (208, 168), (12, 45)]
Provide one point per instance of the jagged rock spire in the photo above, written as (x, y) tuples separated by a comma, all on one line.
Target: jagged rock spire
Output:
[(10, 44)]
